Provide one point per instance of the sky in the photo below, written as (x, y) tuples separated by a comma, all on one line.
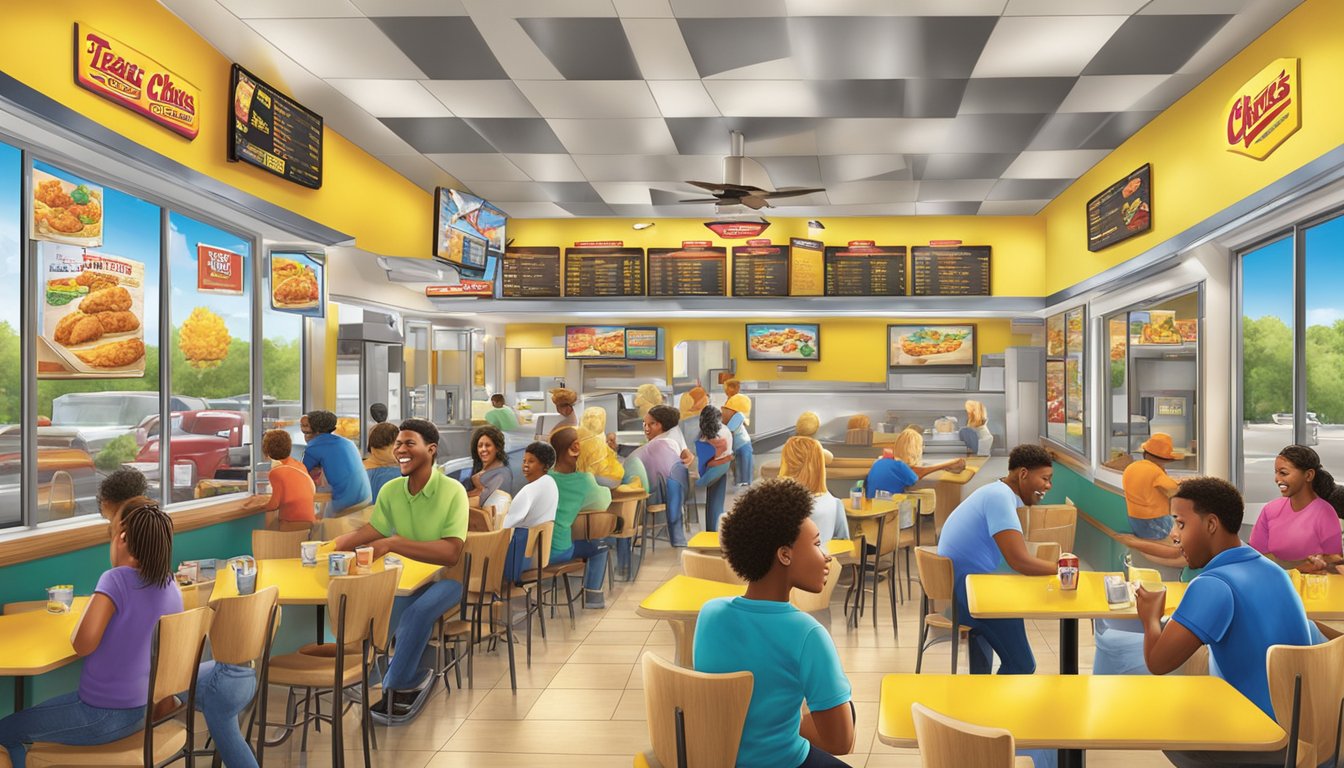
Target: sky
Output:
[(1267, 277)]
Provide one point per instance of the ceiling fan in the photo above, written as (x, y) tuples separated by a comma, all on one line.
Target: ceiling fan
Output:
[(731, 191)]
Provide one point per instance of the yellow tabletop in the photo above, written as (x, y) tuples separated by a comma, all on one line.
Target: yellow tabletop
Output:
[(709, 541), (1012, 596), (973, 465), (307, 585), (33, 642), (683, 597), (1329, 606), (1084, 711), (873, 507)]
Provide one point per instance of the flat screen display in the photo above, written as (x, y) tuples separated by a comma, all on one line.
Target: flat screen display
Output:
[(272, 131), (595, 342), (925, 347), (784, 341)]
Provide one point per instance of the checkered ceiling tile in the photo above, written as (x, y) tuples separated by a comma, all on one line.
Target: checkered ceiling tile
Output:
[(607, 107)]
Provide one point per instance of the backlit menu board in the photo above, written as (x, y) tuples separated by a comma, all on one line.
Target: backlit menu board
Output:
[(865, 269), (760, 270), (693, 271), (603, 271), (531, 272), (807, 274), (273, 132), (956, 271), (1121, 211)]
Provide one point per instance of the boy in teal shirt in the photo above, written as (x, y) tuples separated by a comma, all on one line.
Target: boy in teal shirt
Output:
[(578, 491)]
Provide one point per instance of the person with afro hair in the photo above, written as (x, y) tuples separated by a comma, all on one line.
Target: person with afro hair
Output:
[(771, 541)]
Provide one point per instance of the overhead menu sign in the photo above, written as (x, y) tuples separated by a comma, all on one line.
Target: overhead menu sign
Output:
[(962, 271), (604, 271), (1121, 211), (760, 270), (273, 132), (531, 272), (865, 269), (806, 271), (688, 271)]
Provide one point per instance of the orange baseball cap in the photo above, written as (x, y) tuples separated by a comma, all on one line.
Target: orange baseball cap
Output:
[(1159, 444)]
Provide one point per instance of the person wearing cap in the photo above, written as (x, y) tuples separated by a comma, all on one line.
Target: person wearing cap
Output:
[(564, 399), (1148, 489), (736, 412)]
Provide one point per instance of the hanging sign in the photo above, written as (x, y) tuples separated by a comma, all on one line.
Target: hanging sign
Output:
[(737, 230), (119, 73), (1265, 111)]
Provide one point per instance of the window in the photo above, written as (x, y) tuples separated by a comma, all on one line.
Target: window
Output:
[(1324, 332), (1066, 364), (1266, 364), (99, 383), (210, 363), (11, 383), (281, 371)]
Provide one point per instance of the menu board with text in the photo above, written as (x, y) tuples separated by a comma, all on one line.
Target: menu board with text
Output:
[(693, 271), (273, 132), (955, 271), (644, 344), (604, 271), (865, 269), (531, 272), (1121, 211), (807, 275), (760, 270)]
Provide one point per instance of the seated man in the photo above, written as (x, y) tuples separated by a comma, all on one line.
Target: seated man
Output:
[(533, 505), (578, 491), (501, 416), (665, 459), (771, 541), (983, 532), (335, 458), (421, 515), (1239, 606)]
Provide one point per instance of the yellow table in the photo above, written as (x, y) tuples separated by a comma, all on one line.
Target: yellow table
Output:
[(1077, 712), (708, 541), (34, 642), (1330, 606), (679, 601), (947, 486)]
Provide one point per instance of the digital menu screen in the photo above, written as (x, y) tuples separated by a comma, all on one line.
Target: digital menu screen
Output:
[(956, 271), (1121, 211), (604, 271), (807, 273), (760, 270), (600, 342), (694, 271), (273, 132), (531, 272), (644, 344), (864, 269)]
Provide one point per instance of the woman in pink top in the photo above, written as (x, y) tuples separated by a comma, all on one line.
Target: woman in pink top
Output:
[(1301, 525)]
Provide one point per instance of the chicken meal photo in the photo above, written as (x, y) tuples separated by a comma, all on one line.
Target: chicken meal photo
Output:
[(92, 313)]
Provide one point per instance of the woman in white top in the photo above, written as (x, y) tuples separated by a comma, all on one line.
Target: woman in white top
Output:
[(807, 467), (534, 505)]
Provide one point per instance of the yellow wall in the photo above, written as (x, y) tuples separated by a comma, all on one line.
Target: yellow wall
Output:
[(385, 212), (1017, 241), (1193, 175), (852, 349)]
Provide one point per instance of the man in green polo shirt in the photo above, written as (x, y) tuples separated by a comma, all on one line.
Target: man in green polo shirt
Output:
[(421, 515)]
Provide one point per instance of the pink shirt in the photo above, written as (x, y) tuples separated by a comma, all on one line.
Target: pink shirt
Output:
[(1289, 535)]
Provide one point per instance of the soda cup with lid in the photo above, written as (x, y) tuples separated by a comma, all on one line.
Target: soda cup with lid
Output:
[(1068, 571)]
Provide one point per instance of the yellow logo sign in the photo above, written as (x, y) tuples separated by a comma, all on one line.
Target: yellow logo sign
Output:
[(122, 74), (1265, 111)]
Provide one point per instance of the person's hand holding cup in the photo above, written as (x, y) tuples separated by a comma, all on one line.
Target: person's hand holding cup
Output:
[(1150, 599)]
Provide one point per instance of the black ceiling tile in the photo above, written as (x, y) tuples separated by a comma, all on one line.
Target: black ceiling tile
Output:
[(584, 48), (528, 135), (1154, 45), (443, 47), (438, 135)]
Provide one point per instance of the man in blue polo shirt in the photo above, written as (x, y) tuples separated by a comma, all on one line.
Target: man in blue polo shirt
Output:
[(331, 456), (1239, 606)]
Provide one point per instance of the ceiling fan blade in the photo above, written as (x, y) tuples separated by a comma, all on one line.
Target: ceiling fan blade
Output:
[(701, 200), (720, 186), (754, 202), (793, 192)]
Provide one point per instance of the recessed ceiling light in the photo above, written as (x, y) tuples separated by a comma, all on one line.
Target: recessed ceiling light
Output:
[(642, 225)]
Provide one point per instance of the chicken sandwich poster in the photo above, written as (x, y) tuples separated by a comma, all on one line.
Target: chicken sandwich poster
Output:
[(296, 283), (93, 315)]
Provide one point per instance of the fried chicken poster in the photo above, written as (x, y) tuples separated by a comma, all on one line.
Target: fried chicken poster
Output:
[(93, 315), (67, 211), (296, 284)]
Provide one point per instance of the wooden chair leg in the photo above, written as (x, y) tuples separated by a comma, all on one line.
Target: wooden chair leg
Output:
[(956, 635), (513, 674), (923, 632), (893, 583), (365, 718)]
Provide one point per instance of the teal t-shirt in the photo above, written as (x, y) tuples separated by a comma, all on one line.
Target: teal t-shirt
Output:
[(578, 491), (792, 659), (502, 418)]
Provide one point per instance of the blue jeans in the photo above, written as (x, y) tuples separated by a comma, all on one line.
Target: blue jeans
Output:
[(715, 482), (595, 571), (1119, 648), (66, 720), (742, 459), (676, 533), (517, 560), (1005, 637), (1156, 528), (413, 630), (223, 691)]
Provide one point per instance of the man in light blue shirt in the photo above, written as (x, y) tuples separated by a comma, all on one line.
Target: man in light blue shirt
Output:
[(984, 531), (335, 458)]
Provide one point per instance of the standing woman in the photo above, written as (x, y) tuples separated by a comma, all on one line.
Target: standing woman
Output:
[(1301, 523), (489, 466), (714, 454)]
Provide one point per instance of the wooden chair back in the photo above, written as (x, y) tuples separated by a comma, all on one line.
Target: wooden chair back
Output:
[(238, 633), (625, 511), (891, 532), (590, 526), (807, 602), (178, 642), (488, 551), (713, 707), (948, 743), (480, 520), (368, 599), (1321, 668), (935, 573), (1045, 550), (703, 565), (196, 595), (277, 545), (539, 544)]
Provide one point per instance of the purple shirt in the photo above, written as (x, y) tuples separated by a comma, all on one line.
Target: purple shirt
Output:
[(1289, 535), (116, 674), (660, 456)]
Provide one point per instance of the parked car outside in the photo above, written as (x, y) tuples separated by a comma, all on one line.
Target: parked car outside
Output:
[(210, 440), (104, 416), (1313, 425)]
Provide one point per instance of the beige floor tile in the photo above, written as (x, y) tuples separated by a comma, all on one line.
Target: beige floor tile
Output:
[(592, 676), (568, 704), (515, 760), (504, 704), (631, 706), (380, 758), (607, 654), (550, 737), (625, 625), (620, 637)]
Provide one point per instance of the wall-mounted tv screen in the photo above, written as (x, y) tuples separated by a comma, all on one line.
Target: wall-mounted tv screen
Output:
[(924, 347), (784, 341)]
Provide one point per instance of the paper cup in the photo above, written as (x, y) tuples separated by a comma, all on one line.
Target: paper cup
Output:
[(60, 598), (308, 552), (247, 582), (338, 564), (364, 556), (1152, 587)]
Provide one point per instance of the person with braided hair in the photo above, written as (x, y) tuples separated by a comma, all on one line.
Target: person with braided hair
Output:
[(1301, 523), (114, 637)]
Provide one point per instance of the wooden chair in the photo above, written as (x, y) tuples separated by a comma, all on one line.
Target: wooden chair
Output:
[(808, 602), (937, 579), (587, 526), (174, 655), (196, 595), (631, 525), (360, 610), (694, 718), (1304, 686), (892, 539), (481, 572), (528, 586), (241, 634), (277, 545), (702, 565), (948, 743), (480, 520)]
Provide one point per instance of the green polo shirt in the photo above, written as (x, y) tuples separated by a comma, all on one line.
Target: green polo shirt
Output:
[(578, 491), (502, 418), (438, 511)]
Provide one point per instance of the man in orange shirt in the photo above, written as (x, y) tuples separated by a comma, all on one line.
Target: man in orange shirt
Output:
[(292, 488), (1148, 489)]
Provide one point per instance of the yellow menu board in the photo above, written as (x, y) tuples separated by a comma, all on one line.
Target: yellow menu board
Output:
[(807, 270)]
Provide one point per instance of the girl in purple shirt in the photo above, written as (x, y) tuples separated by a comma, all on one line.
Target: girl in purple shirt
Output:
[(1298, 528), (114, 634)]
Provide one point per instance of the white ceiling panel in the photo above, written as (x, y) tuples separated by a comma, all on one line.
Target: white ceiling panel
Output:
[(1072, 7), (1166, 93), (520, 210), (411, 7), (509, 191), (637, 136), (803, 142), (785, 68), (338, 47), (1181, 7), (479, 166), (882, 136), (1044, 46), (623, 192), (859, 192), (716, 9), (590, 98), (1012, 207), (955, 189), (683, 98), (659, 48), (650, 168), (481, 98), (855, 209), (837, 168), (1054, 164), (894, 7), (764, 98), (292, 9), (643, 9), (392, 98), (529, 9), (420, 170), (548, 167), (1109, 93)]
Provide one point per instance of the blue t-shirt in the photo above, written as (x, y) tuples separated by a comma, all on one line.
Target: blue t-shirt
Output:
[(890, 475), (339, 461), (378, 476), (968, 534), (792, 659), (1239, 606)]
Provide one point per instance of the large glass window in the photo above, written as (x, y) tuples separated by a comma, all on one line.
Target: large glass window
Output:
[(1065, 367), (1324, 427), (210, 359), (1266, 364), (98, 338), (11, 383)]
